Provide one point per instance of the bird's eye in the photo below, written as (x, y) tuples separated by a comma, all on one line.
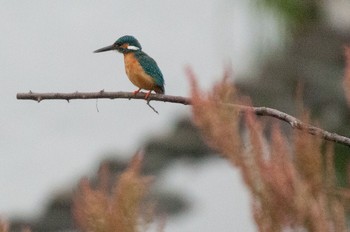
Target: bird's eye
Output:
[(118, 44)]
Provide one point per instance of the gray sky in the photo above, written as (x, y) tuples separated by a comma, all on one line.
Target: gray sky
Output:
[(46, 46)]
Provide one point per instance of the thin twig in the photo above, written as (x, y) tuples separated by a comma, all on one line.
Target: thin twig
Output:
[(96, 106), (154, 109), (260, 111)]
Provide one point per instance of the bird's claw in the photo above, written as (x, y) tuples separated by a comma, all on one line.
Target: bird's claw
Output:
[(136, 92), (148, 94)]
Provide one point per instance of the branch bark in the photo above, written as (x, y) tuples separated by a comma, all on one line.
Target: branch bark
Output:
[(101, 94), (260, 111)]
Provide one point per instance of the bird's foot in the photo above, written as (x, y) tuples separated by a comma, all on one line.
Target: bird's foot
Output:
[(147, 94), (136, 91)]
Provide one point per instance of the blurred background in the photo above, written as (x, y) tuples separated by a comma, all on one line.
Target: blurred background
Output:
[(46, 46)]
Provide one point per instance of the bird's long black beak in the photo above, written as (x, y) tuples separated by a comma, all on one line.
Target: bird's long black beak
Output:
[(108, 48)]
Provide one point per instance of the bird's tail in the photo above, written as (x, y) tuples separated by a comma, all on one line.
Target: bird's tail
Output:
[(159, 89)]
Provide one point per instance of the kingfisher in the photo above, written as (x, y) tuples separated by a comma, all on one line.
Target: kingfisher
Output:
[(141, 69)]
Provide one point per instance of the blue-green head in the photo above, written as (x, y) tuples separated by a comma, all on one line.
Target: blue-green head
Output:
[(124, 44)]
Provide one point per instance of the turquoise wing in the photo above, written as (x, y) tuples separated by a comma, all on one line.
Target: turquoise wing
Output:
[(151, 68)]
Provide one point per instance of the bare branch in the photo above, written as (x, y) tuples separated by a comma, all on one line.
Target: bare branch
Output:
[(260, 111), (295, 123), (101, 94)]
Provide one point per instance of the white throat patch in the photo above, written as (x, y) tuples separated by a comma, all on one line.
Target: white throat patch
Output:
[(132, 48)]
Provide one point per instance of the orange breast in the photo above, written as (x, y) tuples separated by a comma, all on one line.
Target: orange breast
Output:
[(136, 74)]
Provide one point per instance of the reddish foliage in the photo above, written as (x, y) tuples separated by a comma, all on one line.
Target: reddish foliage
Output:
[(285, 177), (101, 210)]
